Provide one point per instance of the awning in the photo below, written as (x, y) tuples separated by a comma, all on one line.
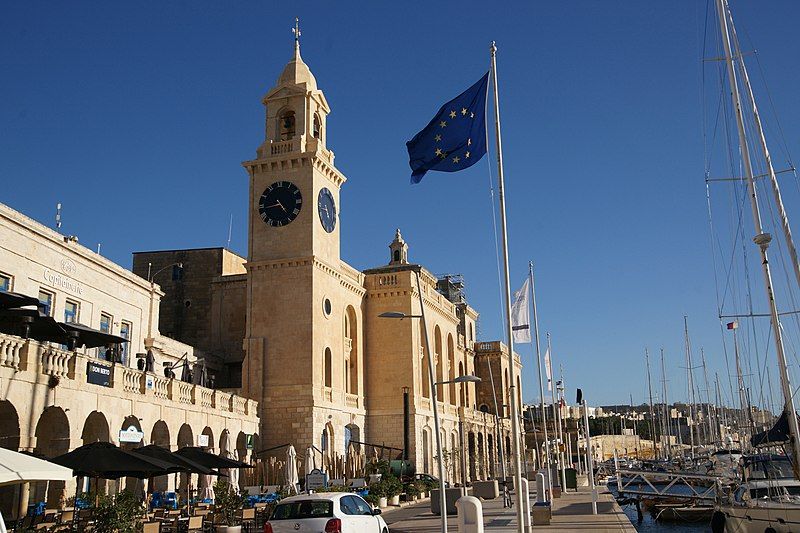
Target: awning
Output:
[(90, 337), (20, 468), (104, 460), (11, 300), (182, 464), (31, 324)]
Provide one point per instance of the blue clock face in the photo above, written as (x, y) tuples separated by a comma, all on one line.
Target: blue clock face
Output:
[(327, 210)]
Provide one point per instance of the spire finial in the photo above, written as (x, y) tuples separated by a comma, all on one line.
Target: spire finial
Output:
[(296, 31)]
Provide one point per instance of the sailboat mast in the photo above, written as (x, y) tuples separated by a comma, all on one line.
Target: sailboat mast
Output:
[(761, 239), (690, 384), (650, 394), (711, 434), (667, 413)]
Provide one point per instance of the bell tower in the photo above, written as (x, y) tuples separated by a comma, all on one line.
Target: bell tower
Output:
[(295, 335), (298, 217)]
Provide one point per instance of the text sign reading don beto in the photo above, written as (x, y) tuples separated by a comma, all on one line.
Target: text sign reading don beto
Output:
[(98, 374)]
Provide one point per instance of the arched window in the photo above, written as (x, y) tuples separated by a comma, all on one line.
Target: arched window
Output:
[(317, 127), (397, 255), (327, 367), (462, 385), (351, 351), (286, 124), (423, 371), (437, 335), (451, 366)]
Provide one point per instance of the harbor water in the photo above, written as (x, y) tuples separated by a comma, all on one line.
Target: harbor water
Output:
[(649, 525)]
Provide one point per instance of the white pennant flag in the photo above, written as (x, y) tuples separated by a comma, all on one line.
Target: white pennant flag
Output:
[(520, 315), (548, 370)]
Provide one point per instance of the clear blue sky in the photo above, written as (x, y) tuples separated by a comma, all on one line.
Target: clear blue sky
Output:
[(136, 117)]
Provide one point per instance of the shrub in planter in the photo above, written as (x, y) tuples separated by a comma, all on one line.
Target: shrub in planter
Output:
[(227, 502), (372, 499), (118, 513)]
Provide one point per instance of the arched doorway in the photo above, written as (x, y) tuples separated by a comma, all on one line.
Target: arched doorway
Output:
[(185, 438), (471, 456), (481, 457), (426, 448), (9, 439), (95, 429), (352, 436), (451, 365), (423, 369), (133, 485), (52, 439), (490, 446), (160, 437), (241, 446), (351, 355)]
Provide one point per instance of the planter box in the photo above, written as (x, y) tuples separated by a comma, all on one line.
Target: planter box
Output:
[(452, 495), (540, 514), (382, 503), (488, 490), (394, 500)]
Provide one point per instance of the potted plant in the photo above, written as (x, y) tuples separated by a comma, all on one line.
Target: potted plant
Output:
[(411, 490), (378, 491), (118, 513), (227, 504), (393, 489), (372, 499)]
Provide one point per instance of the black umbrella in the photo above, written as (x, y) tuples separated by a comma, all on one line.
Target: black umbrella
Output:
[(90, 337), (104, 460), (209, 459), (10, 300), (182, 464), (31, 324)]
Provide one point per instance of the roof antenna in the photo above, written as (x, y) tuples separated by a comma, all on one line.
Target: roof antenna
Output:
[(58, 215), (98, 248), (296, 31), (230, 230)]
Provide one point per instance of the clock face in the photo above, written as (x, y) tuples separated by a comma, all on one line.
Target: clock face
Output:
[(280, 203), (327, 209)]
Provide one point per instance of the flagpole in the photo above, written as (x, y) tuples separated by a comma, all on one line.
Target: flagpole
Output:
[(541, 382), (515, 434)]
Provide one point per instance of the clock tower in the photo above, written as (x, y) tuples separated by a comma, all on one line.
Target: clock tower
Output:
[(301, 322)]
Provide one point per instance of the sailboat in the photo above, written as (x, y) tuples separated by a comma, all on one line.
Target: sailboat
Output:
[(768, 496)]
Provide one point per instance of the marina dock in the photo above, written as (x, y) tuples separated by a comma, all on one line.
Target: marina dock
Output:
[(571, 512)]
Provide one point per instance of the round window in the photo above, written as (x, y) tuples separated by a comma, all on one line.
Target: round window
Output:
[(327, 306)]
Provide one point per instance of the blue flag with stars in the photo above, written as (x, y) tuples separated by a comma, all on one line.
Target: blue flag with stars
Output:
[(455, 138)]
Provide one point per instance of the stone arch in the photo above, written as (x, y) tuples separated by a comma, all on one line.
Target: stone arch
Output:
[(506, 398), (317, 131), (481, 456), (160, 437), (426, 450), (472, 458), (95, 428), (352, 362), (451, 365), (327, 373), (241, 446), (52, 439), (133, 485), (185, 438), (9, 439), (328, 442), (287, 124), (423, 371), (352, 433), (491, 454), (440, 373)]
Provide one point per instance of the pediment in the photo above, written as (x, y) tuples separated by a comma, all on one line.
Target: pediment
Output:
[(284, 92)]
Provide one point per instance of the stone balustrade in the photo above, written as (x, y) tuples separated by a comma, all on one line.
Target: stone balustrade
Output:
[(47, 359), (55, 362), (351, 400), (10, 348)]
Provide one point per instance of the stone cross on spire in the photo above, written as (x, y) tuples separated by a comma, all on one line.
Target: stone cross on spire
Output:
[(296, 31)]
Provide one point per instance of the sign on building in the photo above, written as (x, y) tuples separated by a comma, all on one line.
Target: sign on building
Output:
[(249, 441), (202, 441), (132, 434), (98, 374)]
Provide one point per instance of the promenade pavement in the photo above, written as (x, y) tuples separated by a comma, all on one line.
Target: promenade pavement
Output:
[(571, 512)]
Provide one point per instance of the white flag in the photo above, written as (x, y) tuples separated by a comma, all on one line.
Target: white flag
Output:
[(520, 316), (548, 370)]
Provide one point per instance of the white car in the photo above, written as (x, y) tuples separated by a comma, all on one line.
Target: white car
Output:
[(325, 512)]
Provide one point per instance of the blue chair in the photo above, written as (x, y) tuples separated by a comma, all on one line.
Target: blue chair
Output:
[(170, 500), (36, 509)]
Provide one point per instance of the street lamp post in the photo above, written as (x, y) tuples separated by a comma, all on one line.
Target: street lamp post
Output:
[(149, 340), (432, 379)]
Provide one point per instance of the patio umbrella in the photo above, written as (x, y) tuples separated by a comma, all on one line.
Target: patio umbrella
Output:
[(31, 324), (311, 460), (20, 468), (209, 460), (179, 462), (90, 337), (10, 300), (106, 461), (291, 469), (233, 473)]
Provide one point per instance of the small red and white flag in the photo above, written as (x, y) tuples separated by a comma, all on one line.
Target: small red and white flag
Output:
[(733, 325)]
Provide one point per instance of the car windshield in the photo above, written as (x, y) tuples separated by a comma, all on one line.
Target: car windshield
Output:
[(303, 509)]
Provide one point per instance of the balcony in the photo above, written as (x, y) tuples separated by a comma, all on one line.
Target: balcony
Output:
[(28, 360)]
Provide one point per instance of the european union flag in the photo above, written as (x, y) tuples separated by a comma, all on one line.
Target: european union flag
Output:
[(455, 138)]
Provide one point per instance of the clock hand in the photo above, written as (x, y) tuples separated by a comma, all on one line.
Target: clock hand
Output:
[(273, 205), (281, 206)]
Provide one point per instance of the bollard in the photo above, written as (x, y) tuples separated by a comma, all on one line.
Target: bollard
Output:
[(526, 505), (541, 495), (470, 515)]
